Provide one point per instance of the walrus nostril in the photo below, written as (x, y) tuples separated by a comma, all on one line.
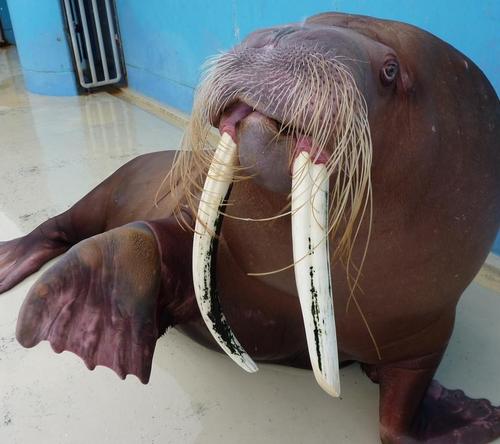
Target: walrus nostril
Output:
[(232, 116)]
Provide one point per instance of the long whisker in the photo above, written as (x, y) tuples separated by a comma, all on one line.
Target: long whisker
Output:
[(317, 97)]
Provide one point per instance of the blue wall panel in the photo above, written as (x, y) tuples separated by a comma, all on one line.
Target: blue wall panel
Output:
[(42, 46), (165, 42), (496, 245)]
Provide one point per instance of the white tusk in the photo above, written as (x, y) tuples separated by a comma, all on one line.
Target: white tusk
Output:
[(217, 183), (312, 268)]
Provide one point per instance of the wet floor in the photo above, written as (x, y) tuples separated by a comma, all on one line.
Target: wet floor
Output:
[(52, 151)]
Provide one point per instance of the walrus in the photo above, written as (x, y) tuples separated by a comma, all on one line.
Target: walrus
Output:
[(401, 130)]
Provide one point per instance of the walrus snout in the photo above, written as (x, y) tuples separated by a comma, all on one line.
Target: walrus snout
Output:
[(264, 153), (265, 150)]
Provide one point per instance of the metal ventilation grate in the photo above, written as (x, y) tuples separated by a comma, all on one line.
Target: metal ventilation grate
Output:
[(93, 34)]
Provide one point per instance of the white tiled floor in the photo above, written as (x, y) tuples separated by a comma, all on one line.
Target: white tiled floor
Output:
[(52, 151)]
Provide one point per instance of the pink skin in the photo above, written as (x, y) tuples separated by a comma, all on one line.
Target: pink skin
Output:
[(304, 143), (232, 117)]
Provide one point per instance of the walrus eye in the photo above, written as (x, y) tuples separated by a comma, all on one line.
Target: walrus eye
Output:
[(389, 72)]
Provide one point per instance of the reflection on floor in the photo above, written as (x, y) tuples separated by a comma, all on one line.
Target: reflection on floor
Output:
[(53, 150)]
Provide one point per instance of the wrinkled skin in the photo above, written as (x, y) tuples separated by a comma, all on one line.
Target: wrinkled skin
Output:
[(436, 197)]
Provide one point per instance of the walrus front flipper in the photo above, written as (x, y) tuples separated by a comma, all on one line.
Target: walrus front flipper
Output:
[(23, 256), (107, 300)]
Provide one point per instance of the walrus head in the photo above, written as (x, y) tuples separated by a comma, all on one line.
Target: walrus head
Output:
[(286, 89), (307, 87)]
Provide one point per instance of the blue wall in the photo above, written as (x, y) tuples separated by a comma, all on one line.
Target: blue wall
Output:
[(165, 42), (42, 46), (496, 245), (6, 23)]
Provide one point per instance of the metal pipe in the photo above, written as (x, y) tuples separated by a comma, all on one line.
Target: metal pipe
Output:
[(99, 40), (88, 43), (113, 41)]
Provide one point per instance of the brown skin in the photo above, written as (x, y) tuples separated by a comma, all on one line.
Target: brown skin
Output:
[(436, 196)]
